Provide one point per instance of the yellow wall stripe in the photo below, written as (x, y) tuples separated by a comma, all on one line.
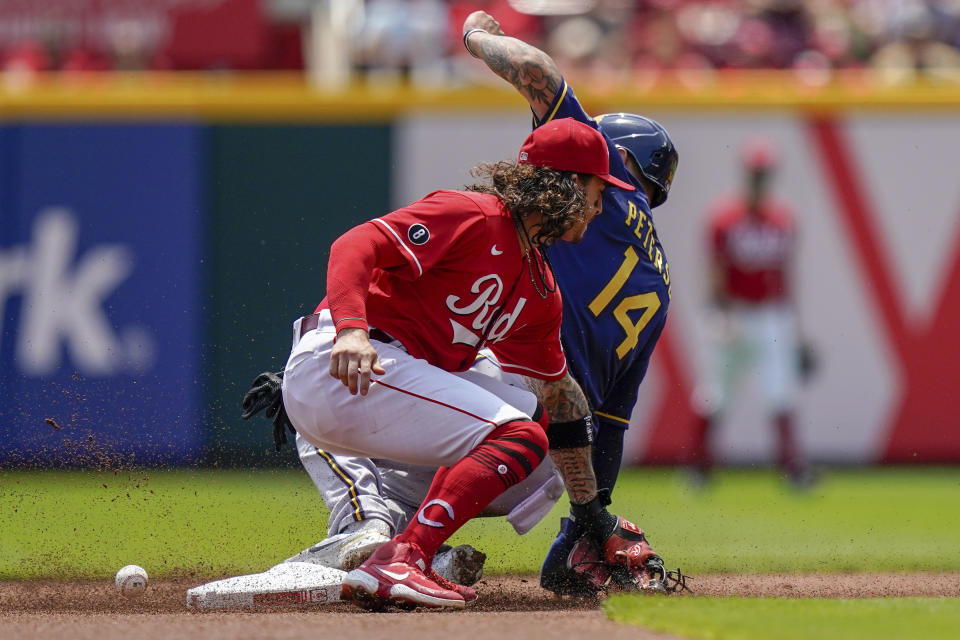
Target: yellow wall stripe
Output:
[(284, 96)]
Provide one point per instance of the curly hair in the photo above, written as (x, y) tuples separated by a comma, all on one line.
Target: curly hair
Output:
[(525, 189)]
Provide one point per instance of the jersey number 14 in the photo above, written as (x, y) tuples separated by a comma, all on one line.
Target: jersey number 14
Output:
[(649, 302)]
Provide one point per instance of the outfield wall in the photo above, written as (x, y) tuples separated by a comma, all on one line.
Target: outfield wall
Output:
[(877, 197), (158, 238)]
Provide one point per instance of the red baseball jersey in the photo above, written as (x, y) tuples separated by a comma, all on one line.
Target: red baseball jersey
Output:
[(450, 278), (753, 252)]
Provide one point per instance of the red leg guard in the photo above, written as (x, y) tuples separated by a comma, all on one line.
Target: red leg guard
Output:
[(507, 455)]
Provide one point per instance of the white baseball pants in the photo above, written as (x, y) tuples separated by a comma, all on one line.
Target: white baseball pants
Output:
[(356, 488), (415, 413), (757, 339), (374, 457)]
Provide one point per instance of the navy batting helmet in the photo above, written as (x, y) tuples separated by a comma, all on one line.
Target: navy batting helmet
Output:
[(648, 144)]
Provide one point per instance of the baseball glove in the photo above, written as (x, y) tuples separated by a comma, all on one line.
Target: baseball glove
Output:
[(625, 562), (266, 394)]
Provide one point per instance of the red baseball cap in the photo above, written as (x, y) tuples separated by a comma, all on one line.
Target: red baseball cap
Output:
[(759, 154), (570, 145)]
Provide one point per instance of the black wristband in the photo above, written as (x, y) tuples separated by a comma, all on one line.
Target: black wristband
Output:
[(466, 35), (570, 435), (593, 518)]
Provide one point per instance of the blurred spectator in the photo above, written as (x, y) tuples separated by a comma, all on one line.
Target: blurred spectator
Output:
[(921, 37), (27, 56), (752, 320), (404, 38), (230, 34), (418, 40), (134, 35), (21, 64), (81, 59)]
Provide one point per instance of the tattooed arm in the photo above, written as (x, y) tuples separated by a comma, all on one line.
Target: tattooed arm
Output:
[(576, 467), (564, 401), (530, 70)]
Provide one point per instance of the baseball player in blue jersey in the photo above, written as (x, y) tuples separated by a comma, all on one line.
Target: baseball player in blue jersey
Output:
[(616, 282), (616, 290)]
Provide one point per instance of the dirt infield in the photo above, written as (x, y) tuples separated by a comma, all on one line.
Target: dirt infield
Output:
[(512, 607)]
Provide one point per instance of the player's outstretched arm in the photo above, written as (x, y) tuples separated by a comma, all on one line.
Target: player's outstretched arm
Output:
[(531, 71), (566, 405)]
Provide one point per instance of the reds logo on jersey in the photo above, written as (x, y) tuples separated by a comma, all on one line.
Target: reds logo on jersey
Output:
[(758, 246), (488, 290)]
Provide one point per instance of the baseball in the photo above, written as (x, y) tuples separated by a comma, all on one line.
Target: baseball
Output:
[(131, 581)]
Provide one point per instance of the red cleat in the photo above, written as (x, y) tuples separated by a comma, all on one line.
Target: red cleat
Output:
[(396, 574), (468, 594)]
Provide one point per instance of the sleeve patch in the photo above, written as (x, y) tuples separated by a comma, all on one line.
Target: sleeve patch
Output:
[(418, 234)]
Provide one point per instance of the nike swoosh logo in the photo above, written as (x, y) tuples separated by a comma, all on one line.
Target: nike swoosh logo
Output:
[(395, 576), (494, 251)]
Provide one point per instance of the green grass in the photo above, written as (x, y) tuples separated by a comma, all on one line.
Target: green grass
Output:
[(68, 524), (749, 522), (88, 524), (791, 619)]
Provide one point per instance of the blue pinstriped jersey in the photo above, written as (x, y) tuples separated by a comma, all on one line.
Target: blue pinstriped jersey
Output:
[(615, 286)]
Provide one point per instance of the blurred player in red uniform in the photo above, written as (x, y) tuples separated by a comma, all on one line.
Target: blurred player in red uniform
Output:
[(753, 324)]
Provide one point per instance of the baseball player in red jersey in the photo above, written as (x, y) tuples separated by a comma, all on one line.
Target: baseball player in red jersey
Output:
[(752, 240), (370, 498), (412, 297)]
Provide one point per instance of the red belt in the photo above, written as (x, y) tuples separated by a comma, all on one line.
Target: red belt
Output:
[(309, 323)]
